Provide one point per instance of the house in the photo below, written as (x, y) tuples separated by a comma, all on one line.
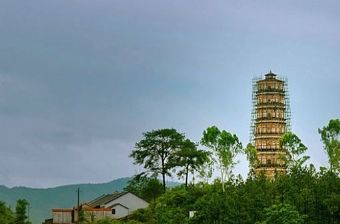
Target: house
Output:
[(116, 205), (120, 203)]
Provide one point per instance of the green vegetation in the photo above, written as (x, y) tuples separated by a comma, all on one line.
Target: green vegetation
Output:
[(190, 159), (292, 144), (224, 146), (6, 214), (302, 195), (251, 154), (20, 216), (282, 214), (148, 188), (330, 136), (156, 151)]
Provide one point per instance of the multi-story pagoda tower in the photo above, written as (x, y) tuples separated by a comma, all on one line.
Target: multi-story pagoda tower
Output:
[(270, 120)]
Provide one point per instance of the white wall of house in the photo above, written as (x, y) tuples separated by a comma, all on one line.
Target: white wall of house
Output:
[(120, 211), (130, 201)]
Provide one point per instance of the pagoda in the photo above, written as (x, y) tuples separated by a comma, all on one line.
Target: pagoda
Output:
[(270, 120)]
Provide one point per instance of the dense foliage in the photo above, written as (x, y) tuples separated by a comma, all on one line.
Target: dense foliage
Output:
[(224, 147), (302, 195), (6, 214), (330, 136), (156, 150), (19, 216), (148, 188)]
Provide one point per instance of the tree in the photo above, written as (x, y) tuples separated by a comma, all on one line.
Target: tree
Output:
[(293, 147), (156, 149), (251, 154), (205, 172), (332, 202), (190, 159), (6, 214), (148, 188), (282, 214), (224, 146), (82, 216), (330, 136), (21, 212)]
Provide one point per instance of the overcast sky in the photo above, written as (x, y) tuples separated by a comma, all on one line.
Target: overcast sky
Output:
[(81, 80)]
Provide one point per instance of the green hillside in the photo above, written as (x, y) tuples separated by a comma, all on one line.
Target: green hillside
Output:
[(43, 200)]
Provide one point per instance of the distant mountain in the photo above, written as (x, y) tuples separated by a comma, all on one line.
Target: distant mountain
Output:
[(43, 200)]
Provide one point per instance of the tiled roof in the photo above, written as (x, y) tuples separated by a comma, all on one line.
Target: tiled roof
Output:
[(104, 199)]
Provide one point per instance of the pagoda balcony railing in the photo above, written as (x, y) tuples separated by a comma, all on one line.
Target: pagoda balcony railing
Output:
[(271, 119), (275, 165), (270, 90), (269, 133), (268, 136), (276, 150), (276, 104)]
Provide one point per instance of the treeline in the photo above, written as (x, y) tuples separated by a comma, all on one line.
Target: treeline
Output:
[(19, 216), (302, 195)]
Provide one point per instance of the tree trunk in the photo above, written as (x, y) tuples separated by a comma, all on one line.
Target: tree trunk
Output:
[(186, 176), (163, 175), (331, 167), (222, 179)]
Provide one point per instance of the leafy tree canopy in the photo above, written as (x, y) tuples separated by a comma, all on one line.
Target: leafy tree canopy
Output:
[(251, 154), (148, 188), (155, 150), (224, 146), (282, 214), (6, 214), (190, 159), (294, 147), (330, 136), (21, 212)]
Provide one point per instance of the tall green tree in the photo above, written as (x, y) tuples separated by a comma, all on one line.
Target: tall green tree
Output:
[(293, 147), (148, 188), (205, 172), (330, 136), (224, 146), (21, 212), (155, 150), (190, 159), (282, 214), (6, 214), (251, 154)]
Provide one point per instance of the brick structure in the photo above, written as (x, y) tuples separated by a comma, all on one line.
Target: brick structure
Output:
[(271, 119)]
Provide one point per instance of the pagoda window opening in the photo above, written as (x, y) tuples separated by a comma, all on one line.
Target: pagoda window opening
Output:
[(269, 162)]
